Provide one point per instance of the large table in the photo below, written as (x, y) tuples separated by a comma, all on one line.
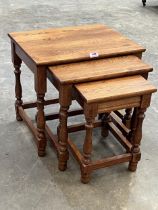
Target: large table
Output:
[(40, 49)]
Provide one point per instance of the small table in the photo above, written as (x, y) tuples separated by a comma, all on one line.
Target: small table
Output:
[(40, 49)]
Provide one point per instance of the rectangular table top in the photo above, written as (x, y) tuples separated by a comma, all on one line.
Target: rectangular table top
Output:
[(98, 69), (112, 89), (71, 44)]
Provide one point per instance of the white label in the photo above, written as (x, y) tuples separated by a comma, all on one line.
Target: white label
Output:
[(94, 55)]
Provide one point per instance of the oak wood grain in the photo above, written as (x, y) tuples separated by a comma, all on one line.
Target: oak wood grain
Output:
[(99, 69), (71, 44), (114, 89)]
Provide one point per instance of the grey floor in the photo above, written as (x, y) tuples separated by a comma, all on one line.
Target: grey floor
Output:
[(28, 182)]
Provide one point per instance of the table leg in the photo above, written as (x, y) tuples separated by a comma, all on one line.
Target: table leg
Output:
[(87, 149), (133, 125), (40, 88), (18, 88), (41, 125), (127, 117), (104, 129), (136, 140), (65, 102)]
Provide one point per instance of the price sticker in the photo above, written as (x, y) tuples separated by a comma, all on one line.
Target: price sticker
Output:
[(93, 55)]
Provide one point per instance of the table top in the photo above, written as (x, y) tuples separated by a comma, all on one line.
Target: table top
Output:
[(112, 89), (71, 44), (99, 69)]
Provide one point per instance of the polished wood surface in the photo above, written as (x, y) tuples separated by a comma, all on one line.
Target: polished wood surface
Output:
[(115, 88), (71, 44), (63, 77), (99, 69), (127, 92), (41, 49)]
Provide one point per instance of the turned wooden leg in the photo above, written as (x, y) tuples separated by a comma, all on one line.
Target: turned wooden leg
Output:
[(127, 118), (40, 88), (63, 154), (41, 139), (87, 149), (104, 129), (136, 140), (133, 125), (18, 89)]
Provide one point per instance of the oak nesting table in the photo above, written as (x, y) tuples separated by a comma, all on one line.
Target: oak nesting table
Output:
[(65, 77), (49, 49)]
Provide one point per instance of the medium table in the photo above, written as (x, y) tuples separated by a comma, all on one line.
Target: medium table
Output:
[(40, 49), (65, 77)]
